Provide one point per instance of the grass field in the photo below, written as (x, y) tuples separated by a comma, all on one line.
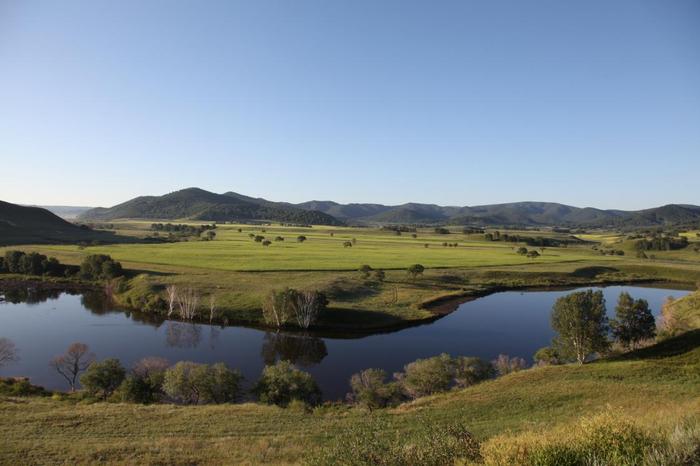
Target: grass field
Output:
[(239, 272)]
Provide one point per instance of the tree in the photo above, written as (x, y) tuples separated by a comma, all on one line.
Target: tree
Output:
[(633, 321), (533, 254), (188, 301), (522, 251), (365, 270), (469, 371), (277, 307), (210, 235), (370, 389), (100, 267), (145, 382), (347, 244), (192, 383), (259, 238), (102, 378), (8, 351), (581, 323), (171, 293), (307, 306), (281, 383), (415, 270), (427, 376), (504, 364), (266, 242), (75, 360), (547, 356), (301, 238)]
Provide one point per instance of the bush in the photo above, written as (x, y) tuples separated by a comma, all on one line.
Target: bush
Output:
[(547, 356), (145, 383), (415, 270), (193, 383), (101, 379), (100, 267), (469, 371), (369, 389), (504, 364), (20, 386), (281, 383), (427, 376)]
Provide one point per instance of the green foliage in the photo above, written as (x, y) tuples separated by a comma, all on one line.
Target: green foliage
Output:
[(633, 321), (415, 270), (100, 267), (581, 323), (281, 383), (470, 370), (31, 264), (192, 383), (145, 382), (370, 389), (547, 356), (20, 387), (427, 376), (102, 378)]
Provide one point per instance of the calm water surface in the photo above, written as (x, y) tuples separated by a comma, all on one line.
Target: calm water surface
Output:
[(513, 323)]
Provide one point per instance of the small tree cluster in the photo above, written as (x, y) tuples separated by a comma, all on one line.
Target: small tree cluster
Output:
[(100, 267), (192, 383), (302, 308), (33, 264), (282, 383), (505, 364), (633, 321)]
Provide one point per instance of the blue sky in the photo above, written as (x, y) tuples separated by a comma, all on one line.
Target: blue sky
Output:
[(593, 103)]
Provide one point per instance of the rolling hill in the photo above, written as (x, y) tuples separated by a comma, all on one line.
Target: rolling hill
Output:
[(510, 214), (198, 204), (25, 225)]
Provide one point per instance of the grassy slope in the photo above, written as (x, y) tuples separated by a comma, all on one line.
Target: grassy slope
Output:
[(659, 384)]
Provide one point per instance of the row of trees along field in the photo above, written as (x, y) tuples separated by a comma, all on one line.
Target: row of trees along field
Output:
[(93, 267)]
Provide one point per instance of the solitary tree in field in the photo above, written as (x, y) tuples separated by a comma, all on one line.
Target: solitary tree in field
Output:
[(301, 238), (581, 323), (74, 361), (633, 321), (8, 351), (415, 270), (365, 270)]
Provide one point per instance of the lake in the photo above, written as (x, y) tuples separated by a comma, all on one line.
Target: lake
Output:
[(42, 325)]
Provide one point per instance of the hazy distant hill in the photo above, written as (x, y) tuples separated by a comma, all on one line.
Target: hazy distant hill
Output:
[(65, 211), (25, 225), (510, 214), (198, 204)]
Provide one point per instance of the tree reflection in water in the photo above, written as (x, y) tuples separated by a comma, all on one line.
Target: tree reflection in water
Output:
[(28, 295), (182, 335), (301, 349)]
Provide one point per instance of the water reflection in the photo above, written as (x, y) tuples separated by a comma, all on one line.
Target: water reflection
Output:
[(182, 335), (301, 349), (29, 295)]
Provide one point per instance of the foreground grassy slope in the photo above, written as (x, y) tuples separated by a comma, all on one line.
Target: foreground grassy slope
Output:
[(657, 386)]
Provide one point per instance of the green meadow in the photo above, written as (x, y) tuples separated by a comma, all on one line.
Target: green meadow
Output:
[(238, 271)]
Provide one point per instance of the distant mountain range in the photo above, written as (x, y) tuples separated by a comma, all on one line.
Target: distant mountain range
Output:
[(34, 225), (198, 204)]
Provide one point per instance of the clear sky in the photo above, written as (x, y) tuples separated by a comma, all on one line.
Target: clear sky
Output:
[(590, 103)]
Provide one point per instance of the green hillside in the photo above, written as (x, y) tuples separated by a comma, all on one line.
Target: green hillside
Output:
[(198, 204), (34, 225)]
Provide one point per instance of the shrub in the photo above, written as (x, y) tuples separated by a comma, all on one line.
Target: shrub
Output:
[(100, 267), (301, 238), (369, 389), (415, 270), (504, 364), (193, 383), (469, 371), (281, 383), (145, 383), (547, 356), (101, 379), (20, 386), (365, 270), (427, 376)]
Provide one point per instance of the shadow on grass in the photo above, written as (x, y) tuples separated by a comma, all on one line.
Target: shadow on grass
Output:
[(674, 346), (593, 272)]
